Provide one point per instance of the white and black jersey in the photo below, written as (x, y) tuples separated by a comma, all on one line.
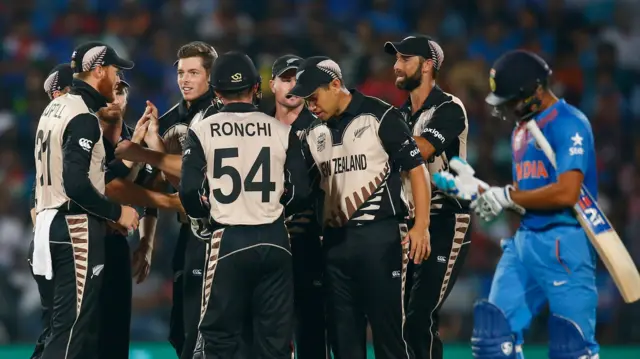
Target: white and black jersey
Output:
[(253, 165), (70, 155), (305, 221), (359, 157), (442, 120)]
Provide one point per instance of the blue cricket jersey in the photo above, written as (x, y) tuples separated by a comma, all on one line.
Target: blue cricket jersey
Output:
[(569, 132)]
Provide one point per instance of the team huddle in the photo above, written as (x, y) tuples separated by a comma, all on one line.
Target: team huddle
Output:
[(301, 225)]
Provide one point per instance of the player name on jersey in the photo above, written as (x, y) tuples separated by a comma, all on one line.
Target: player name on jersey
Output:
[(240, 129), (344, 164)]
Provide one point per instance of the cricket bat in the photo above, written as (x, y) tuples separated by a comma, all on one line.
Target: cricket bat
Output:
[(599, 230)]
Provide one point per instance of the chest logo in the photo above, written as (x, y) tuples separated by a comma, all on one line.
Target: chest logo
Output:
[(322, 142), (358, 133)]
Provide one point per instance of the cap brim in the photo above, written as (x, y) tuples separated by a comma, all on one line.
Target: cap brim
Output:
[(494, 100), (123, 64), (301, 91), (124, 83), (281, 72), (391, 48)]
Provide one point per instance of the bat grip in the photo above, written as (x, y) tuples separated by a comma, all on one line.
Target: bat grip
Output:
[(538, 136)]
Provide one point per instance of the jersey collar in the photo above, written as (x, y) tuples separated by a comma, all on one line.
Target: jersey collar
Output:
[(432, 99), (550, 113), (239, 107), (92, 98), (199, 104)]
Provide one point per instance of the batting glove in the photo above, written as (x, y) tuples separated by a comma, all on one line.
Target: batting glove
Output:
[(493, 201)]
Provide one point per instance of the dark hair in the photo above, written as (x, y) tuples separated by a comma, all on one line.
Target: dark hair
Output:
[(199, 49), (236, 95)]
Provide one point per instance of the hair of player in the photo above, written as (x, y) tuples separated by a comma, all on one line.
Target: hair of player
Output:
[(199, 49), (82, 75), (245, 94), (434, 72)]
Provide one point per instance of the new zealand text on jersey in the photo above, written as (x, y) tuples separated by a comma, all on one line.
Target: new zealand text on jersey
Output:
[(343, 164), (240, 129)]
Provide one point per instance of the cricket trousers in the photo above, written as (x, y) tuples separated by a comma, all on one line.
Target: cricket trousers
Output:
[(310, 338), (115, 299), (433, 280), (77, 245), (365, 273), (45, 287), (248, 280), (188, 267)]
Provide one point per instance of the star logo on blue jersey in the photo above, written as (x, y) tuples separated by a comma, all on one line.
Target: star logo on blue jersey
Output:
[(577, 139)]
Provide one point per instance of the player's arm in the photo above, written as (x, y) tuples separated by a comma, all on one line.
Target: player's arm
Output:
[(572, 161), (296, 178), (401, 147), (32, 203), (194, 164), (447, 124), (126, 192), (169, 164), (79, 138)]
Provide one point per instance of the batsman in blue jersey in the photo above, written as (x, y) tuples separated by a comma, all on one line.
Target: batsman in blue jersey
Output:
[(550, 259)]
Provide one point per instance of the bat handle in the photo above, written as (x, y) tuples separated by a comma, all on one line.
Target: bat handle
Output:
[(538, 136)]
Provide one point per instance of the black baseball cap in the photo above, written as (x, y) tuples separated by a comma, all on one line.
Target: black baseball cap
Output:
[(418, 45), (234, 71), (284, 64), (123, 81), (516, 75), (60, 77), (312, 73), (91, 54)]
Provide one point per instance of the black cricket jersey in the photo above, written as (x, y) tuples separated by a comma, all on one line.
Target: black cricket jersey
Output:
[(442, 120), (305, 222), (174, 125), (359, 156)]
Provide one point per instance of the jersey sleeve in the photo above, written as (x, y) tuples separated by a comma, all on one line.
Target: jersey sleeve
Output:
[(572, 141), (193, 178), (397, 141), (79, 138), (116, 169), (32, 196), (296, 176), (447, 124)]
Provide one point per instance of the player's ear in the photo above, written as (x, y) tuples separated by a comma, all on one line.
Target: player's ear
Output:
[(427, 66), (335, 85), (272, 86)]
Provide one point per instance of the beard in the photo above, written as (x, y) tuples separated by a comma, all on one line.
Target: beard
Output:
[(105, 88), (411, 82), (110, 114)]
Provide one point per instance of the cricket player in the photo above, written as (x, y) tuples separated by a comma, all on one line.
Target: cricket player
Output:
[(439, 124), (550, 258), (304, 228), (71, 209), (360, 146), (255, 167), (165, 136)]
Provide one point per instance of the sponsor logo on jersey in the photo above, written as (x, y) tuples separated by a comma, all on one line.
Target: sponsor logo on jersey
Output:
[(435, 133), (85, 144)]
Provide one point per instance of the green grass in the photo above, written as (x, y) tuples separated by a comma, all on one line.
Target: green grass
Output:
[(452, 351)]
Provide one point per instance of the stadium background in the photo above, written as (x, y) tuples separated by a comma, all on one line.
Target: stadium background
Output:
[(593, 46)]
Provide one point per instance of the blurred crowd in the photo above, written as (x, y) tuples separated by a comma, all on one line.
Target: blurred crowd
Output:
[(592, 45)]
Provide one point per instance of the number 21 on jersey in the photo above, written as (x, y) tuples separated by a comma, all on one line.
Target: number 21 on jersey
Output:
[(238, 184), (43, 145)]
